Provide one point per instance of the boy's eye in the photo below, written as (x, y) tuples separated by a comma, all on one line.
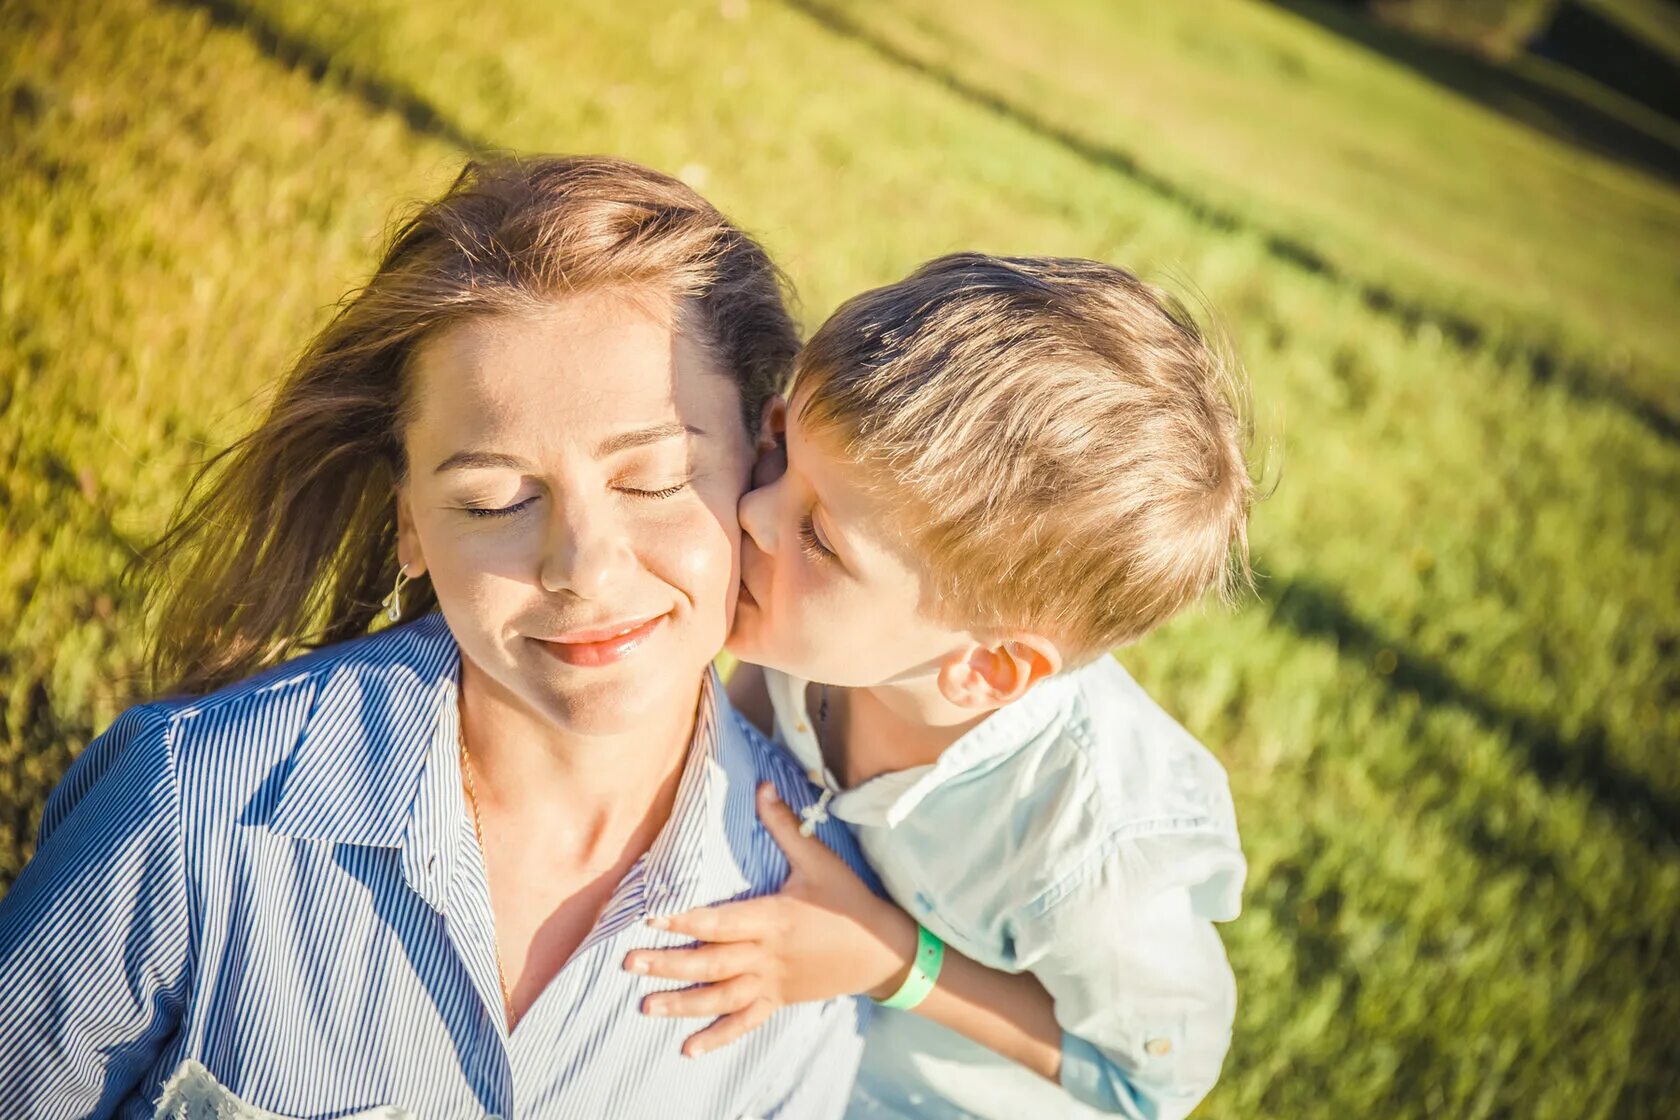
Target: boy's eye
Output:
[(809, 540), (497, 511)]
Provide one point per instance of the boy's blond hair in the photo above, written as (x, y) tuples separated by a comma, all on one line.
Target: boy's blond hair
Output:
[(1062, 448)]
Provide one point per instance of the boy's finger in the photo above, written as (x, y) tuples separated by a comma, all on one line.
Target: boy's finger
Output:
[(728, 1029), (709, 962), (727, 921), (783, 826), (704, 1001)]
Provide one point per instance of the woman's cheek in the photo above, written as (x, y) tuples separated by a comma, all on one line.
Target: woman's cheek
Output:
[(696, 553), (492, 551)]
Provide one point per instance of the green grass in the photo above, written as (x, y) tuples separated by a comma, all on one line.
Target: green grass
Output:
[(1272, 119), (1656, 23), (1450, 717)]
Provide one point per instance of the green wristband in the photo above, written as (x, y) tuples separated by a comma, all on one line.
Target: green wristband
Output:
[(924, 972)]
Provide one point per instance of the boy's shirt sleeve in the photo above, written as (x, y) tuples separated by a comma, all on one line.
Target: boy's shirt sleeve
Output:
[(94, 934), (1143, 990)]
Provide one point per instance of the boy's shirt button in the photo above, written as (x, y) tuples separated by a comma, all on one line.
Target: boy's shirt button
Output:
[(1158, 1047)]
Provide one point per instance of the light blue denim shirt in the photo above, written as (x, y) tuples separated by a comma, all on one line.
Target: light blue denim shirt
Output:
[(1079, 834), (273, 896)]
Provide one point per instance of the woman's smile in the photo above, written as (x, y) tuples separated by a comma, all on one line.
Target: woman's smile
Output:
[(601, 645)]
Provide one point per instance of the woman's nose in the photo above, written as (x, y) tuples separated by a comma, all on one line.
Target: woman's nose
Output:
[(585, 552)]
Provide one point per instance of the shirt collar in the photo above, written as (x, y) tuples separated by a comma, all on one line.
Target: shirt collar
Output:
[(378, 765), (378, 713), (886, 800), (708, 847)]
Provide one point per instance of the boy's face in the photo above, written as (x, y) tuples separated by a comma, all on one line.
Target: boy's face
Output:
[(827, 591)]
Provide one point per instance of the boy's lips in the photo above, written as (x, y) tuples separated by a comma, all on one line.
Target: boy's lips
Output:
[(601, 645)]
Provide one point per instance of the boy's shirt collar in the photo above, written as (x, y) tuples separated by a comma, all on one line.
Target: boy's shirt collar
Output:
[(886, 800)]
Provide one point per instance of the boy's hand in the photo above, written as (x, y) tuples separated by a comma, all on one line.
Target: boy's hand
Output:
[(825, 934)]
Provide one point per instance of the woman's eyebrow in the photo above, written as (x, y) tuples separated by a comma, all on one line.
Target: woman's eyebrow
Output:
[(623, 441), (639, 437), (481, 460)]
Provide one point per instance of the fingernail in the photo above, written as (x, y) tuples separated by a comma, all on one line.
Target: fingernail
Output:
[(768, 792), (657, 1009), (695, 1051), (659, 921), (637, 965)]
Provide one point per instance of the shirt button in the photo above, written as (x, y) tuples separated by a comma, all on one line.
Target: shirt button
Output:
[(1158, 1047)]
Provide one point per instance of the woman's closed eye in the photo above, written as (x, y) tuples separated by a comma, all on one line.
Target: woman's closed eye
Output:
[(656, 492), (499, 511)]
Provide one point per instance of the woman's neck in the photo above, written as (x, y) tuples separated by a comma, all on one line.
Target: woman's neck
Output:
[(589, 797)]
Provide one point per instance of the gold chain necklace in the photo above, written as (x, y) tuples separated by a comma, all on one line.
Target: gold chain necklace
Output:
[(478, 831)]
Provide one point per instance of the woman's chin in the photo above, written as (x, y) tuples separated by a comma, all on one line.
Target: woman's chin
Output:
[(619, 704)]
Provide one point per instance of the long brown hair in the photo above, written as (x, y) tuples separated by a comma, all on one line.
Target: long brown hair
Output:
[(287, 539)]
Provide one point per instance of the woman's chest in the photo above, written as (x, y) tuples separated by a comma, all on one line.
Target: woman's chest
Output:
[(545, 909), (325, 984)]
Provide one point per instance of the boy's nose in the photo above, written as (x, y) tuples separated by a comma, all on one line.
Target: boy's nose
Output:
[(756, 511)]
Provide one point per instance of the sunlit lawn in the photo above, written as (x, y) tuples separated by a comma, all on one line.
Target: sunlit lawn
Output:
[(1450, 718)]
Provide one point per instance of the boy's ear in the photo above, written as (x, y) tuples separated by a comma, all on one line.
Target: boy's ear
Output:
[(988, 676), (409, 556)]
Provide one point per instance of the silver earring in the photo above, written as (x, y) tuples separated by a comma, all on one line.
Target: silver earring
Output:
[(393, 601)]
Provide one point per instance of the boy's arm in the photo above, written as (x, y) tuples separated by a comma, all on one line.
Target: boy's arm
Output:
[(1143, 993), (1006, 1012), (751, 697), (827, 934)]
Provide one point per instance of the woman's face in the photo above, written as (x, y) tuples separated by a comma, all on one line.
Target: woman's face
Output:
[(571, 491)]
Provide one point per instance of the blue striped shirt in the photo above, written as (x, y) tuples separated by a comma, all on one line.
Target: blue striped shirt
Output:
[(281, 882)]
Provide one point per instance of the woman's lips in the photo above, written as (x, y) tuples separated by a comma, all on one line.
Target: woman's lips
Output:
[(601, 645)]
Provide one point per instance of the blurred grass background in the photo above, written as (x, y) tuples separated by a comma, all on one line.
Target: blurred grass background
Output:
[(1451, 716)]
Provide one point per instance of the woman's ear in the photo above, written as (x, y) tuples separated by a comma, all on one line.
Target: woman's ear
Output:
[(772, 424), (770, 452), (410, 557), (987, 676)]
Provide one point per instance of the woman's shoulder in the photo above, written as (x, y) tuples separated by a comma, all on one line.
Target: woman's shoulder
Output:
[(221, 748), (419, 652), (751, 758)]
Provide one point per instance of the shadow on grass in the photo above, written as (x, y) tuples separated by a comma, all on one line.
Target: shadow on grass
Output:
[(298, 53), (1584, 762), (1545, 363), (1521, 97)]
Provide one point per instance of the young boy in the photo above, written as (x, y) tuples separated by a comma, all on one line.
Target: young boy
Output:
[(996, 471)]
